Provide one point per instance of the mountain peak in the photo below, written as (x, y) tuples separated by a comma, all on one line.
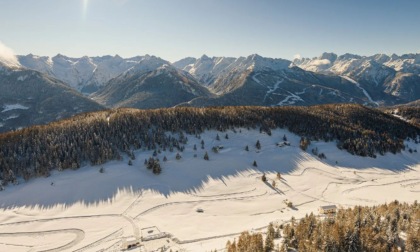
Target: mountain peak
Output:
[(204, 57), (261, 63), (328, 56), (117, 57), (255, 56), (348, 56)]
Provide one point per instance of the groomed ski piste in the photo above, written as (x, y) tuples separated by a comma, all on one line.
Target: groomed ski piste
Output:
[(195, 204)]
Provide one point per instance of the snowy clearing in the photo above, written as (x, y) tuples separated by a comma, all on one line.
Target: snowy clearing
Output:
[(194, 204)]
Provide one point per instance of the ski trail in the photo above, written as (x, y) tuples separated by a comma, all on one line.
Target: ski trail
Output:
[(363, 90), (274, 88), (291, 96), (254, 77)]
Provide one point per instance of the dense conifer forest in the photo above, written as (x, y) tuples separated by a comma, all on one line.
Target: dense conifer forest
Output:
[(409, 113), (386, 228), (95, 138)]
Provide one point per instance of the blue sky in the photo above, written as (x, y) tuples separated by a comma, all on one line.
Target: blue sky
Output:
[(173, 29)]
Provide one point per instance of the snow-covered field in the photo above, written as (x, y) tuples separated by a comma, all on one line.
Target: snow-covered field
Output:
[(86, 210)]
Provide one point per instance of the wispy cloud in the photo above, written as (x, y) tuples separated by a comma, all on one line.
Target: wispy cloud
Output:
[(320, 62), (297, 56), (7, 56)]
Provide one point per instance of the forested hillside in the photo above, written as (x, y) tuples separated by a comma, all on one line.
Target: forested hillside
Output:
[(388, 227), (98, 137), (409, 111), (377, 228)]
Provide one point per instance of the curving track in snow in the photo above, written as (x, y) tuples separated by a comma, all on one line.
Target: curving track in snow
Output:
[(222, 195), (78, 232), (60, 218), (110, 237), (385, 184), (328, 174), (80, 235), (196, 201)]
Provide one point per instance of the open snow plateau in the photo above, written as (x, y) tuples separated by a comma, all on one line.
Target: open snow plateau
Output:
[(194, 204)]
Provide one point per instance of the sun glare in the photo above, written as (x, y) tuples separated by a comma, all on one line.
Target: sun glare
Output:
[(85, 6)]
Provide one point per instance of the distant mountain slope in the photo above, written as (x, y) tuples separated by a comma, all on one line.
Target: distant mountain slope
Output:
[(218, 73), (206, 69), (29, 97), (86, 74), (162, 87), (290, 86), (388, 80), (102, 136)]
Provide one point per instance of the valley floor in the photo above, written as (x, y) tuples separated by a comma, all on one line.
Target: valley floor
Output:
[(194, 204)]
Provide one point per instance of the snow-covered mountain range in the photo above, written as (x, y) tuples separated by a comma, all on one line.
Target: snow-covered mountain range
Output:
[(382, 79), (151, 82), (86, 74)]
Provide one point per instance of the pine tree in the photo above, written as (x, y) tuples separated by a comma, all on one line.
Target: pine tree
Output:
[(269, 240), (304, 143), (258, 145), (247, 148), (217, 137), (165, 159), (226, 136), (206, 156), (156, 168), (228, 246), (254, 163), (178, 156), (354, 242), (413, 240)]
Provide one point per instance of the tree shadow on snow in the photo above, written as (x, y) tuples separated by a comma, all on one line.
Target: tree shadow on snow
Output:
[(191, 174)]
